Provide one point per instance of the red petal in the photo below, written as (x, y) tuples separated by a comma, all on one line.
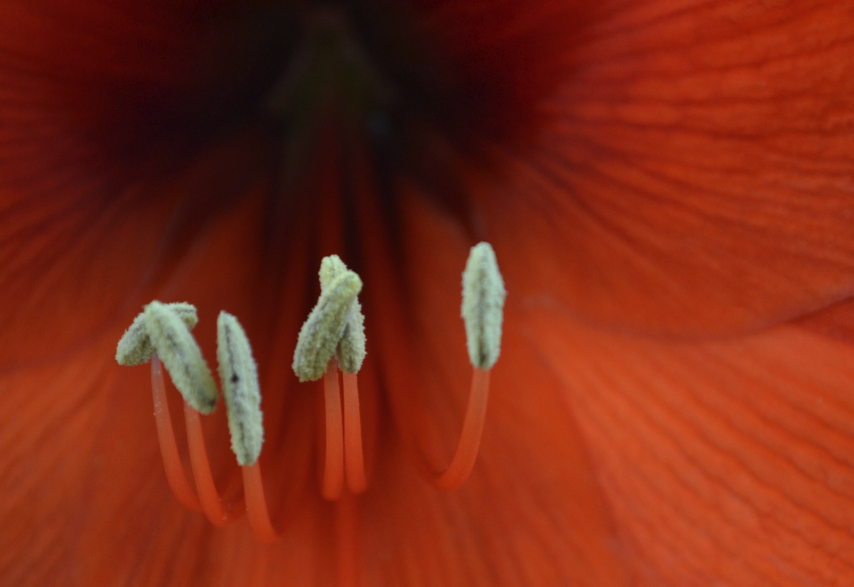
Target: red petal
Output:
[(76, 266), (696, 178), (94, 121), (724, 462)]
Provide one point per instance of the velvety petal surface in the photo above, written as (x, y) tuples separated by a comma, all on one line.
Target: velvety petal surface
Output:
[(695, 180), (727, 460)]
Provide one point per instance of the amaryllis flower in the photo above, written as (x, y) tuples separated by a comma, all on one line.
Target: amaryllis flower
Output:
[(669, 191)]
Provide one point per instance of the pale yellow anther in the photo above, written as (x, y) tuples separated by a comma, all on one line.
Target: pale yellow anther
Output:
[(239, 377), (483, 306), (181, 356), (321, 333), (351, 348), (135, 346)]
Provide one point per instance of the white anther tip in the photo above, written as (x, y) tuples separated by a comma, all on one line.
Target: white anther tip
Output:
[(483, 306), (239, 377)]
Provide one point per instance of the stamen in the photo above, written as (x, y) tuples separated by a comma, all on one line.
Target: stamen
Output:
[(219, 513), (135, 346), (168, 447), (483, 313), (239, 378), (321, 333), (483, 306), (351, 355), (333, 470), (182, 357), (342, 333), (354, 459)]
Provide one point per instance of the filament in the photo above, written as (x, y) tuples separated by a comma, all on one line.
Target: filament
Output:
[(256, 504), (354, 459), (333, 470), (168, 448), (219, 513), (463, 462)]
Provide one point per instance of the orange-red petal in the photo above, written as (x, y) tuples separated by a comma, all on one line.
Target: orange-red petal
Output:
[(695, 179), (728, 460)]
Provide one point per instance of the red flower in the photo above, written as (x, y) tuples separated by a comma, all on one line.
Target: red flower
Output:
[(668, 189)]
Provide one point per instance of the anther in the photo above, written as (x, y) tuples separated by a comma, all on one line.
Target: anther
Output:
[(483, 306), (351, 347), (321, 333), (239, 378), (181, 355), (135, 346)]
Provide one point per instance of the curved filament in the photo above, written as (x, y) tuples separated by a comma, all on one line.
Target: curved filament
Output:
[(463, 462), (333, 470), (256, 504), (219, 513), (354, 460), (168, 448)]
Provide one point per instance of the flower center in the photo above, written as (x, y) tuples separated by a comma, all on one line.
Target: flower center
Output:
[(329, 74)]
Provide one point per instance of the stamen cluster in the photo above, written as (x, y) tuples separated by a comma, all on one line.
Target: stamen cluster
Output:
[(332, 337)]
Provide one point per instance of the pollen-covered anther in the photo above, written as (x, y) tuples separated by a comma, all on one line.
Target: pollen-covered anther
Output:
[(181, 356), (333, 337), (239, 377), (325, 326), (483, 306), (135, 346), (351, 348)]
